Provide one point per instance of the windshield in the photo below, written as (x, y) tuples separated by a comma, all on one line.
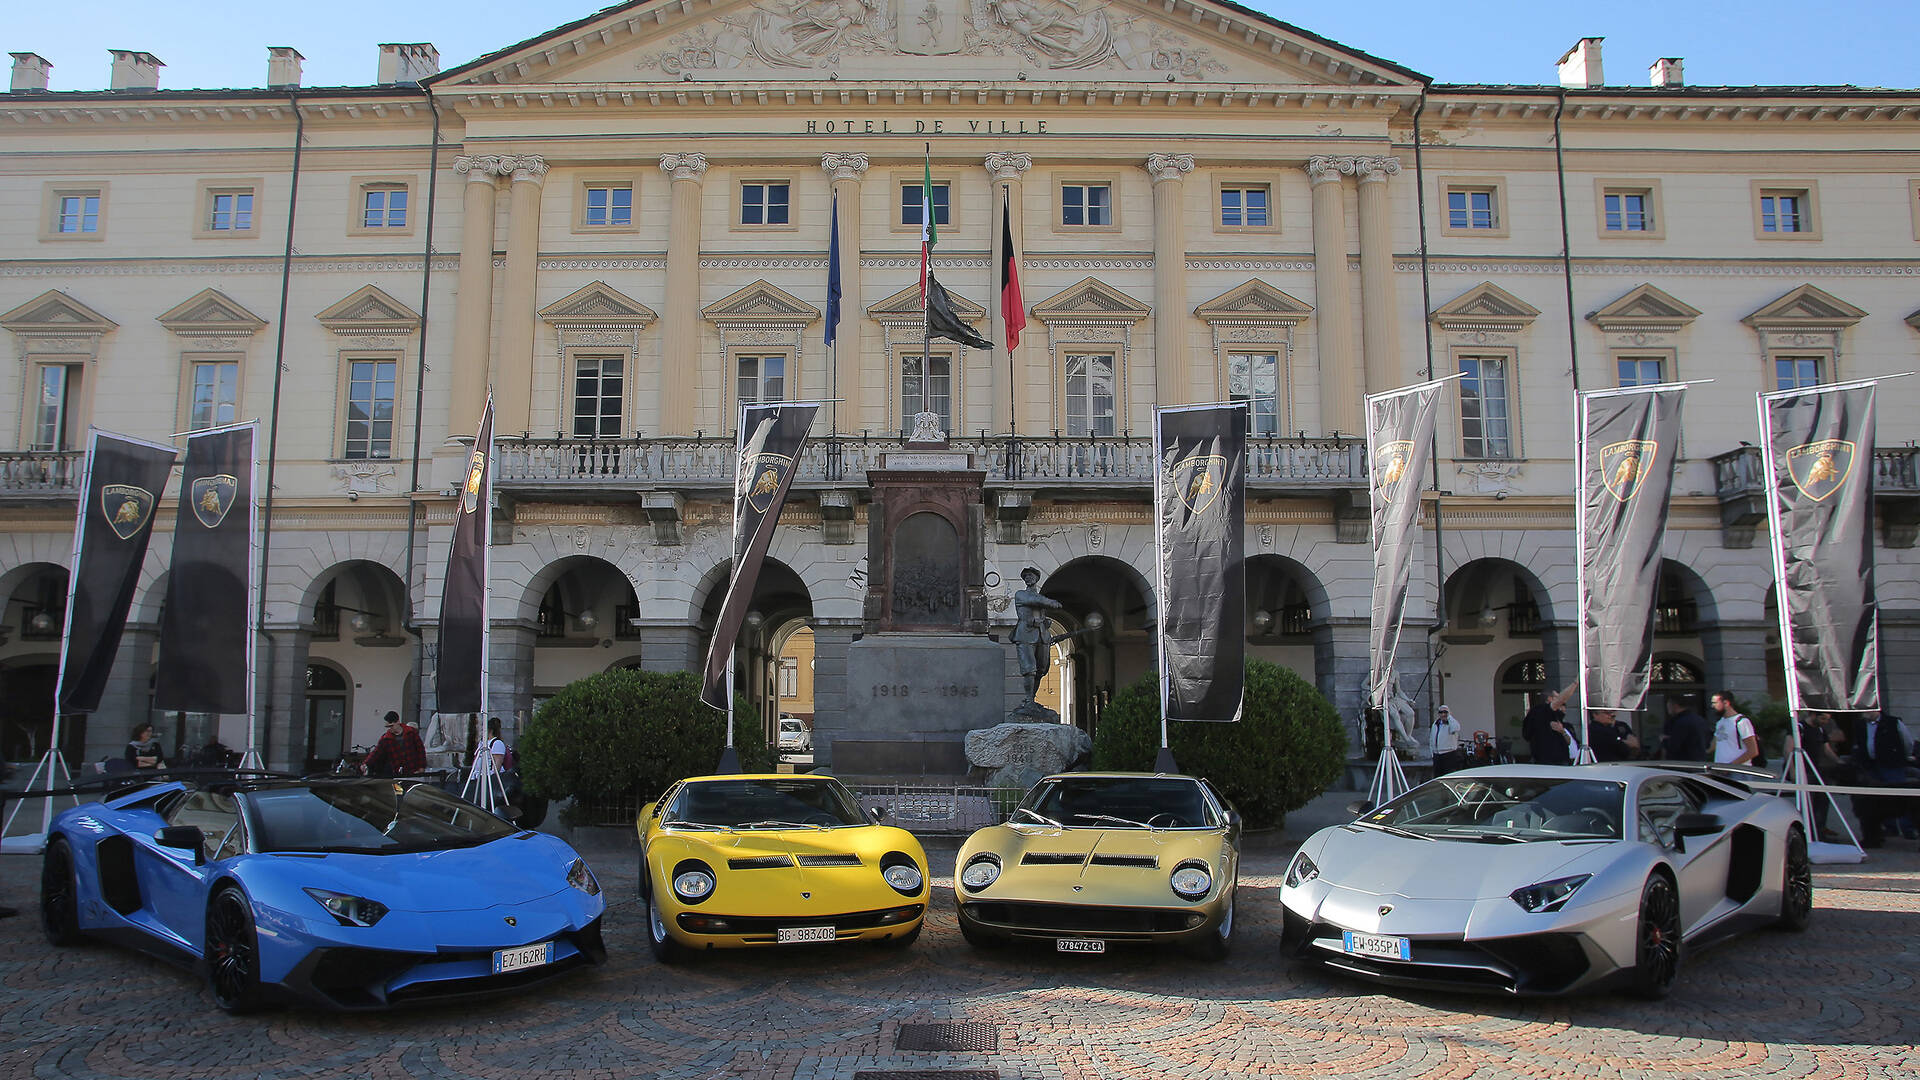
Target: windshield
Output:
[(376, 817), (1124, 802), (1507, 809), (765, 804)]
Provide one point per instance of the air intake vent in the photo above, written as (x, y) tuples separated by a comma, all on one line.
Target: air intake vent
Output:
[(1144, 862), (763, 862), (1051, 858), (829, 860)]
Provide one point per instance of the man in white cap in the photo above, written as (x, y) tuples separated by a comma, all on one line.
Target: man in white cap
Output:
[(1447, 754)]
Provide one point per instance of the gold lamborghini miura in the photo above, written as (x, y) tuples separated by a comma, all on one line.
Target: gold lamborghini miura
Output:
[(742, 861), (1093, 858)]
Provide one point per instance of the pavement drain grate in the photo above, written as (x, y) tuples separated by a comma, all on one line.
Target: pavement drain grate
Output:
[(967, 1037), (927, 1074)]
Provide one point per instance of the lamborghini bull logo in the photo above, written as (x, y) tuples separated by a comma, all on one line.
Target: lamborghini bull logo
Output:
[(476, 479), (767, 472), (1390, 467), (212, 497), (126, 508), (1820, 468), (1623, 466), (1197, 480)]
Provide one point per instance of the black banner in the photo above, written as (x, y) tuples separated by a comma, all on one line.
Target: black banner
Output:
[(1628, 444), (1820, 457), (1399, 449), (125, 480), (944, 322), (461, 673), (1202, 455), (205, 629), (771, 439)]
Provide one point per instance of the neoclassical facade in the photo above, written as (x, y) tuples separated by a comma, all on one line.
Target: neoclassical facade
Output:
[(621, 229)]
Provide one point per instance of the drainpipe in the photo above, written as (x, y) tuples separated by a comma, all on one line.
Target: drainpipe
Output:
[(279, 371), (420, 389)]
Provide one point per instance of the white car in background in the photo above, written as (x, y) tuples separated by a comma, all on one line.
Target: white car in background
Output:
[(794, 736)]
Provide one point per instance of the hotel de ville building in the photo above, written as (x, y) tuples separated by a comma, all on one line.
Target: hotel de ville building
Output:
[(622, 228)]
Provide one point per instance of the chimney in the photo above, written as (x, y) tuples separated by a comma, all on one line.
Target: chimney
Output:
[(283, 67), (1666, 72), (135, 70), (1580, 65), (407, 63), (29, 72)]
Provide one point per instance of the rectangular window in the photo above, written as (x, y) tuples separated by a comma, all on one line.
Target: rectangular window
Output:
[(608, 206), (1246, 207), (789, 676), (911, 203), (761, 378), (78, 214), (55, 407), (370, 392), (764, 204), (1641, 370), (926, 387), (599, 393), (1090, 394), (1255, 379), (381, 208), (216, 392), (1086, 204), (231, 211), (1486, 428), (73, 210), (1628, 211), (1471, 208), (1783, 213), (1795, 372)]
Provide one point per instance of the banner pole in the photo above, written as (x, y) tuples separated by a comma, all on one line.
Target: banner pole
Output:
[(255, 572), (1581, 544), (1163, 761), (729, 755)]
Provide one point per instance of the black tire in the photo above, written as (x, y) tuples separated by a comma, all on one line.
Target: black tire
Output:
[(232, 955), (901, 941), (1796, 885), (59, 895), (665, 949), (1217, 944), (979, 939), (1659, 947)]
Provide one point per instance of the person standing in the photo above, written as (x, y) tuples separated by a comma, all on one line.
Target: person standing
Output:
[(398, 753), (143, 750), (1612, 739), (1735, 742), (1882, 757), (1545, 729), (1687, 736), (1448, 756)]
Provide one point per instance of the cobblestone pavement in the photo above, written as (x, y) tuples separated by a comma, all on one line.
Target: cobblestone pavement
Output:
[(1837, 1001)]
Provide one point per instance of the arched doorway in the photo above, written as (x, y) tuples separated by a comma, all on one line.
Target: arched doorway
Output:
[(360, 639), (1502, 648), (1523, 681), (30, 627), (328, 695), (583, 624), (1286, 612), (780, 607), (1117, 652)]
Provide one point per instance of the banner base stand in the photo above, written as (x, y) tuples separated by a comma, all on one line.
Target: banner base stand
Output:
[(31, 844), (1163, 761), (1825, 854), (1389, 780), (51, 774), (729, 762)]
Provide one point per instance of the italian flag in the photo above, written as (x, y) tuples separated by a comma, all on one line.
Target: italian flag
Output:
[(929, 235)]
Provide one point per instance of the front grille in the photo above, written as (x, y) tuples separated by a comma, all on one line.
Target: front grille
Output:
[(761, 862), (830, 860), (765, 925), (1079, 918), (358, 978), (1144, 862), (1540, 963), (1051, 858)]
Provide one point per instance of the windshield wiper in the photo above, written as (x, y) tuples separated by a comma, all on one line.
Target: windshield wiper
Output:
[(1397, 832), (682, 823), (771, 824), (1041, 818), (1498, 838), (1116, 820)]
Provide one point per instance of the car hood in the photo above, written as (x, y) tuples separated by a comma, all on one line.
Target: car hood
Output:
[(511, 870), (1121, 867), (1381, 863)]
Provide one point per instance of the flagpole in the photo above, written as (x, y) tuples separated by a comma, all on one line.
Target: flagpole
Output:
[(1013, 375), (251, 759), (1580, 544), (1163, 762), (485, 510), (729, 756), (1389, 779)]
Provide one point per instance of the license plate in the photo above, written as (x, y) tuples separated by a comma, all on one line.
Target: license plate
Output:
[(1082, 945), (1377, 945), (797, 935), (505, 960)]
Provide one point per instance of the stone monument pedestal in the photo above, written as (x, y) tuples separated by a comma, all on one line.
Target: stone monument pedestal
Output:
[(911, 699)]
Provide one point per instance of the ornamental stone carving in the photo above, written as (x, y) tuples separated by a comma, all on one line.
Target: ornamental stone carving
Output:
[(1322, 168), (1376, 170), (525, 167), (1169, 166), (844, 166), (684, 166), (1004, 168), (482, 166)]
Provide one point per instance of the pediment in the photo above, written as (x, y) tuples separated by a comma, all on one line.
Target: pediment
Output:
[(1808, 307), (1486, 306), (210, 312), (761, 302), (1644, 308), (673, 41), (1254, 301), (904, 307), (54, 312), (1092, 299), (598, 304), (369, 310)]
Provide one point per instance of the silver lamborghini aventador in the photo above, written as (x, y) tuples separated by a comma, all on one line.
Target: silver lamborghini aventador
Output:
[(1547, 879)]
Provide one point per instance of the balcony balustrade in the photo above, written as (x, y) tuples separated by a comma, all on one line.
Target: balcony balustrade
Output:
[(39, 474)]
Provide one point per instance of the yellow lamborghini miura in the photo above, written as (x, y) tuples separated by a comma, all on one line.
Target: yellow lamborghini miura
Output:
[(1093, 858), (742, 861)]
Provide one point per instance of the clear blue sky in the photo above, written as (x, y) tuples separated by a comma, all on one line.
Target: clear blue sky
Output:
[(221, 43)]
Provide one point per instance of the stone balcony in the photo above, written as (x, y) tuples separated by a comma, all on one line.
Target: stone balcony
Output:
[(39, 475), (1740, 482)]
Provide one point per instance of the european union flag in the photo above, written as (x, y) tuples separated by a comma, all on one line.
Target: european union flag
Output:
[(833, 274)]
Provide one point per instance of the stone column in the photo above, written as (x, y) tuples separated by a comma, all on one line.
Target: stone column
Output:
[(282, 698), (1736, 657), (830, 640), (473, 302), (1333, 313), (510, 671), (1379, 336), (671, 647), (1173, 381), (513, 378), (845, 383), (1340, 671), (680, 333), (1006, 174)]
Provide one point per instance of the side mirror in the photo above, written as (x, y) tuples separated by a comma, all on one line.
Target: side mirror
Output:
[(1696, 825), (880, 813), (1358, 807), (183, 837), (1233, 819)]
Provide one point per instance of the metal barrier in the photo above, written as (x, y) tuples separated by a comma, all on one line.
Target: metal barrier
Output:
[(938, 810)]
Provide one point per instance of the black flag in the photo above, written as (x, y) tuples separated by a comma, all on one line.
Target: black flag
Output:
[(1399, 447), (206, 628), (1200, 492), (125, 478), (1627, 449), (1819, 451), (771, 437), (944, 322), (460, 684)]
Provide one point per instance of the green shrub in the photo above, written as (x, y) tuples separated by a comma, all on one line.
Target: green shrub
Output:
[(1288, 747), (625, 734)]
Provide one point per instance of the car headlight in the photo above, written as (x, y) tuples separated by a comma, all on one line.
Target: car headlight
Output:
[(1191, 881), (349, 910), (580, 876), (898, 869), (983, 871), (1549, 895), (692, 881), (1301, 871)]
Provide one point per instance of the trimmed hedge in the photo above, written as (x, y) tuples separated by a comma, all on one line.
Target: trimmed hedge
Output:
[(1288, 747), (621, 734)]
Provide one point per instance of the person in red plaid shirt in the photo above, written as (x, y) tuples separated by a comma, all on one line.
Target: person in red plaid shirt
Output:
[(399, 752)]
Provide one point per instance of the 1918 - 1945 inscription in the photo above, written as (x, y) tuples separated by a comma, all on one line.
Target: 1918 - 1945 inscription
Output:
[(908, 690)]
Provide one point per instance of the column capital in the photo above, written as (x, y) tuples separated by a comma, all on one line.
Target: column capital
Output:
[(843, 166), (1322, 168), (1376, 170), (1164, 167), (525, 167), (684, 166), (1003, 167), (481, 166)]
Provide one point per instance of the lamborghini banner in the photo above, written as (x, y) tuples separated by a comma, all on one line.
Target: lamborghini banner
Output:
[(771, 437), (124, 481), (461, 674), (1200, 498), (205, 628), (1627, 444), (1399, 449), (1819, 458)]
